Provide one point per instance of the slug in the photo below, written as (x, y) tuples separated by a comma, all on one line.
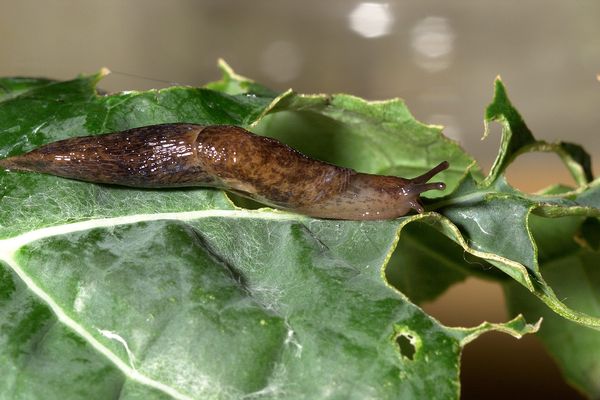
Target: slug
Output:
[(229, 158)]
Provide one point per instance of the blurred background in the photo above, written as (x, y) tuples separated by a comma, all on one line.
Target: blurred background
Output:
[(440, 57)]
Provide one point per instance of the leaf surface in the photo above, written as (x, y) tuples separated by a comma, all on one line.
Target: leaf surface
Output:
[(569, 260), (181, 294)]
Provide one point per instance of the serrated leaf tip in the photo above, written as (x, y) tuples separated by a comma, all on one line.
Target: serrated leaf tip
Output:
[(228, 72), (499, 84), (222, 64)]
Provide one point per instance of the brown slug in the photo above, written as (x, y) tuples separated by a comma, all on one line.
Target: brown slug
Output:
[(229, 158)]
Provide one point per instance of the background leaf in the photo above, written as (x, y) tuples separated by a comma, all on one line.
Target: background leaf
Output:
[(571, 267), (518, 139), (493, 218)]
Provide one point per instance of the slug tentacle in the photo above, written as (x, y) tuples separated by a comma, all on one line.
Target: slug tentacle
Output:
[(418, 185), (423, 187), (229, 158), (431, 173)]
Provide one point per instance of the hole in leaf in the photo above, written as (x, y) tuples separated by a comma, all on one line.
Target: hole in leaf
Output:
[(244, 202), (469, 303), (532, 172), (406, 346), (589, 233), (426, 263), (559, 237)]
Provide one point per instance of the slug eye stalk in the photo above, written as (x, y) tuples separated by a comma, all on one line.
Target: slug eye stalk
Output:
[(419, 185), (430, 174)]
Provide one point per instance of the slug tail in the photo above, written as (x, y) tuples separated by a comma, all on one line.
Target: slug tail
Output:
[(7, 164), (21, 163)]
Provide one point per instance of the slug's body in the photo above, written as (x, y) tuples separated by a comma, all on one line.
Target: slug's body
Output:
[(230, 158)]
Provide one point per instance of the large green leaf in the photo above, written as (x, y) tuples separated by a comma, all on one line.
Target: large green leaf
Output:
[(180, 294), (569, 260)]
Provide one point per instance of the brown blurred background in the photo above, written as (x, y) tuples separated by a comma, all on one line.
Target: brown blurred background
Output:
[(441, 57)]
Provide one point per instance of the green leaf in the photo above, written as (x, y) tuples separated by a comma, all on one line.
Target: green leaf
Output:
[(493, 218), (232, 83), (237, 320), (518, 139), (12, 87), (180, 294), (573, 272)]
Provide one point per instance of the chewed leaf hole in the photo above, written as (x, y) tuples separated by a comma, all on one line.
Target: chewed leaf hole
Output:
[(406, 345), (532, 172), (589, 233)]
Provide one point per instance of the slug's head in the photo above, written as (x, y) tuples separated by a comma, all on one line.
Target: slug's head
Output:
[(415, 186)]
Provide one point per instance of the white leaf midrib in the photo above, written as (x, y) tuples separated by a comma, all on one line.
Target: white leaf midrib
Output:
[(10, 245)]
